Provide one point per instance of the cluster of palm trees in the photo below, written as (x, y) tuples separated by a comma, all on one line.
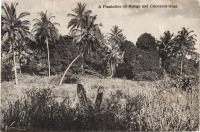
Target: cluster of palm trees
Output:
[(177, 46), (86, 33), (15, 31), (83, 28)]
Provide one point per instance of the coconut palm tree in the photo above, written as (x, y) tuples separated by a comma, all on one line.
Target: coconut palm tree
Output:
[(84, 31), (87, 37), (165, 47), (116, 35), (83, 28), (14, 28), (45, 31), (184, 44), (76, 23)]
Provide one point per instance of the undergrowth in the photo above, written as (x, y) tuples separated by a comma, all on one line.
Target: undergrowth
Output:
[(38, 110)]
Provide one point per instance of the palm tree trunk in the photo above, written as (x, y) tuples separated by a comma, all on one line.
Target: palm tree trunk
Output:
[(164, 67), (160, 62), (68, 69), (15, 68), (20, 71), (82, 56), (48, 58), (82, 65), (111, 68), (181, 66)]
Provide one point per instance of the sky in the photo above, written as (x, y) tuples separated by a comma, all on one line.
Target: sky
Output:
[(134, 22)]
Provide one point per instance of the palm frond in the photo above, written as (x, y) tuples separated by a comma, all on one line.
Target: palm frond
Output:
[(23, 14), (43, 28), (71, 15)]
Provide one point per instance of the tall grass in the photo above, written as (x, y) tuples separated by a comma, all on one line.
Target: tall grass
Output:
[(126, 105), (39, 111)]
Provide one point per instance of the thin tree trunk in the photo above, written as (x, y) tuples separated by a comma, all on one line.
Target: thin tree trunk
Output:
[(82, 55), (160, 62), (164, 66), (68, 69), (82, 65), (48, 58), (19, 63), (15, 68), (111, 67), (20, 71), (181, 66)]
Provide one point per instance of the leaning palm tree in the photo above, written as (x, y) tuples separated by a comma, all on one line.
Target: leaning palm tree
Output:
[(14, 28), (184, 44), (45, 31)]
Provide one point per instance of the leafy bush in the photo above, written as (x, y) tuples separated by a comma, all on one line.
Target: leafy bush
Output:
[(7, 74), (71, 79), (62, 54), (95, 61), (149, 75), (190, 67), (123, 71)]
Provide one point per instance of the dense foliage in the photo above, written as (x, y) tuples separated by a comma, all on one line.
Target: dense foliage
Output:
[(140, 64), (15, 29), (108, 55), (146, 42)]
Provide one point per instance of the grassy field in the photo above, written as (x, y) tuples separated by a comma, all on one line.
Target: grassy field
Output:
[(126, 105)]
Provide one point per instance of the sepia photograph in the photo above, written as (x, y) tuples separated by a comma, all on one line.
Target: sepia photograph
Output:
[(100, 65)]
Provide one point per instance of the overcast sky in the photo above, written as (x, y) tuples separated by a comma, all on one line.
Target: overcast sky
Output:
[(134, 22)]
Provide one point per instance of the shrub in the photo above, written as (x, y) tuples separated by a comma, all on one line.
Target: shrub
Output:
[(7, 74), (95, 61), (173, 67), (71, 79), (149, 75), (124, 71)]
